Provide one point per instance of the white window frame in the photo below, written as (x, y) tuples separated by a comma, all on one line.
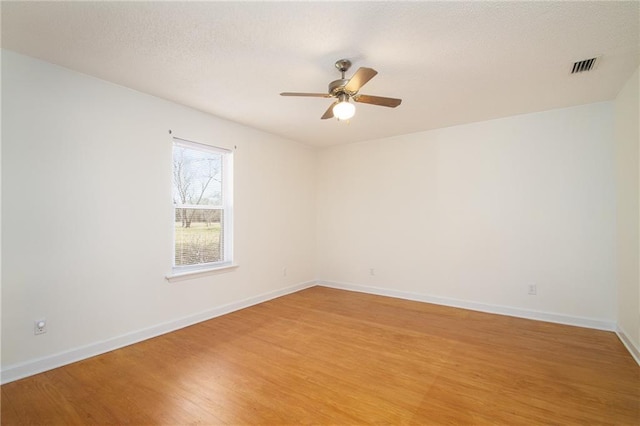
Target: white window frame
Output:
[(186, 271)]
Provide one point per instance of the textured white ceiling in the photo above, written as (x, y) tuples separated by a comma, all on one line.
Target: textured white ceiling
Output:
[(450, 62)]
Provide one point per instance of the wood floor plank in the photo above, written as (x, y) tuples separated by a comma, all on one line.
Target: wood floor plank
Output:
[(8, 413), (326, 356)]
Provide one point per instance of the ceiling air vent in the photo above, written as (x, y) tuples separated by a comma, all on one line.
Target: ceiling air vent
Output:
[(585, 65)]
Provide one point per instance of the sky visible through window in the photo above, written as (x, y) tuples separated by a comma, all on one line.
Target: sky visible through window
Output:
[(197, 176)]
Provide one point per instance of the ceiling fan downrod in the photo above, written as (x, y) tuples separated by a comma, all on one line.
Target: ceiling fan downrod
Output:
[(343, 66)]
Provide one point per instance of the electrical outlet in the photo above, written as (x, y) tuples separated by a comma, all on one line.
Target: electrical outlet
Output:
[(284, 272), (533, 289), (372, 271), (40, 326)]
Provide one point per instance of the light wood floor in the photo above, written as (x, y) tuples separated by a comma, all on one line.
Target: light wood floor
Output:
[(326, 356)]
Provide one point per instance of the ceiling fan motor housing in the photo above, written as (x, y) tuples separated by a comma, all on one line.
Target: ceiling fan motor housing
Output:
[(336, 87)]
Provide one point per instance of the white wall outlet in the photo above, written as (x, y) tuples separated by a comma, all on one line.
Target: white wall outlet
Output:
[(532, 289), (284, 272), (372, 271), (40, 326)]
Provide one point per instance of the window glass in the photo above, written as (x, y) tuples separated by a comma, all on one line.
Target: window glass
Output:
[(201, 198)]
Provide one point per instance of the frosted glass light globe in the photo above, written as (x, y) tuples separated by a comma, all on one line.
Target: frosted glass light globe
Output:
[(344, 110)]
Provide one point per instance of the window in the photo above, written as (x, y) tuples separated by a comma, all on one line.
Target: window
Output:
[(202, 199)]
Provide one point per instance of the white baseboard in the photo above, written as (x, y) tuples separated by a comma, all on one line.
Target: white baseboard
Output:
[(628, 343), (29, 368), (475, 306)]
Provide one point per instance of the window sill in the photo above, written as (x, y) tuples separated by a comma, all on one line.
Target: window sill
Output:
[(188, 275)]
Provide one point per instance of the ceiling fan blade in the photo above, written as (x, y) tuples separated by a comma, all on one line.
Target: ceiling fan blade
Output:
[(378, 100), (329, 113), (359, 79), (313, 95)]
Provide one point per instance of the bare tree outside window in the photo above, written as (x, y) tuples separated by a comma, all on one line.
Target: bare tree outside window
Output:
[(198, 200)]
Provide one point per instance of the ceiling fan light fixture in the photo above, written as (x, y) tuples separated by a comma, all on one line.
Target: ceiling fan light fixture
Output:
[(344, 110), (345, 89)]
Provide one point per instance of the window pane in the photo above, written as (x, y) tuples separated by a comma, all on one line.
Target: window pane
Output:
[(199, 236), (197, 176)]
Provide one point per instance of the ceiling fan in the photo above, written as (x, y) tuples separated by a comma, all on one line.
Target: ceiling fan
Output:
[(344, 90)]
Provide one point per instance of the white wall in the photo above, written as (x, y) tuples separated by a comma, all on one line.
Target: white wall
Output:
[(478, 212), (87, 213), (627, 113)]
